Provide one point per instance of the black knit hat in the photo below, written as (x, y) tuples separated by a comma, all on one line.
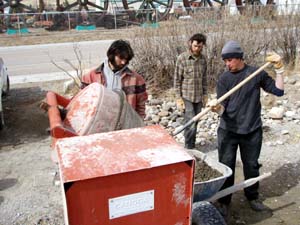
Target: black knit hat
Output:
[(232, 49)]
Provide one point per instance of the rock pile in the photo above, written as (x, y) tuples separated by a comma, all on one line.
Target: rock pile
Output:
[(165, 113), (277, 110)]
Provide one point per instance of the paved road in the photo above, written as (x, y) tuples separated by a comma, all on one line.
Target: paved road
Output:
[(25, 63)]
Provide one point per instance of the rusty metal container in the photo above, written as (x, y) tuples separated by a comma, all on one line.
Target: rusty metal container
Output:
[(139, 176), (94, 109)]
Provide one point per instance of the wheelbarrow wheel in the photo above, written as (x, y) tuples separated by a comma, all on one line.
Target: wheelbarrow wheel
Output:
[(205, 213)]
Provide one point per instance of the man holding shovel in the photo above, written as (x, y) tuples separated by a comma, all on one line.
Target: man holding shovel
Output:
[(240, 123), (190, 82)]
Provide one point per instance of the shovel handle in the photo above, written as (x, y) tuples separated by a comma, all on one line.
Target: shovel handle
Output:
[(219, 100), (191, 121), (238, 187)]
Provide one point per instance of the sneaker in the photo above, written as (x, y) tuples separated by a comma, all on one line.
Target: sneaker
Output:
[(257, 205)]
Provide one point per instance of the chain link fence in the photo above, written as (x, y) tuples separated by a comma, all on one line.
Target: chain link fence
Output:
[(84, 20), (22, 23)]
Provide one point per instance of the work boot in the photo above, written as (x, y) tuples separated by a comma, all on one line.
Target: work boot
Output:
[(257, 205)]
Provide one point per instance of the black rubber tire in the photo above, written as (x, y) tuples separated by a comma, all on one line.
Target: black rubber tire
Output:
[(205, 213)]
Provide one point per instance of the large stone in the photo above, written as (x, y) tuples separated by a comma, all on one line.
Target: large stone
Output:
[(155, 102), (164, 123), (268, 100), (175, 124), (168, 106), (155, 118), (180, 120), (290, 114), (163, 113), (276, 113), (292, 80)]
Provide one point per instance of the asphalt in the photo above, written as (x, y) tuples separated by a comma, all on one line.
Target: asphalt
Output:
[(36, 63), (39, 78)]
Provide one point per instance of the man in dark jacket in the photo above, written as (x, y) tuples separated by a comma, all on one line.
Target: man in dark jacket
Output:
[(240, 123)]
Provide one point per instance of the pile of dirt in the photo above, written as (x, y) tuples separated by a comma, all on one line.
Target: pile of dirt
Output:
[(203, 172)]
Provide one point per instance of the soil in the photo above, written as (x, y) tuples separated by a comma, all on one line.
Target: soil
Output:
[(28, 192), (203, 172)]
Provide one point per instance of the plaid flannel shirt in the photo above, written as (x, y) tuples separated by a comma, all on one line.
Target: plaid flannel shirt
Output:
[(190, 80), (133, 86)]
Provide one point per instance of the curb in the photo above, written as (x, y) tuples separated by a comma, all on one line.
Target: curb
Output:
[(42, 77)]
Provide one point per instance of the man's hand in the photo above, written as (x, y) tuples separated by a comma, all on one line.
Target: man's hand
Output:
[(180, 104), (204, 100), (216, 107), (275, 59)]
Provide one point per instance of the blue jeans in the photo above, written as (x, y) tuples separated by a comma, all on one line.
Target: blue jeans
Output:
[(250, 146), (191, 110)]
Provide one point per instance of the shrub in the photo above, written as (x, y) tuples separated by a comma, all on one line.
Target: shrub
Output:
[(156, 50)]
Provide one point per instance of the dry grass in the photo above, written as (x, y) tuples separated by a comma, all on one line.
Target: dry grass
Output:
[(41, 36), (156, 50)]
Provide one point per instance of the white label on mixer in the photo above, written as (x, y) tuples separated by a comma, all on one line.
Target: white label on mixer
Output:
[(131, 204)]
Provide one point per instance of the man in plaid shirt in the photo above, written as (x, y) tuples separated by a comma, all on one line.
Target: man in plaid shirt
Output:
[(114, 73), (190, 83)]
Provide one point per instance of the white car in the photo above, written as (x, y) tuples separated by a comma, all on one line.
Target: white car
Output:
[(4, 88)]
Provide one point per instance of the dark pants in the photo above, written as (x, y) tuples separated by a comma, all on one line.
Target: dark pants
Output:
[(250, 146), (191, 109)]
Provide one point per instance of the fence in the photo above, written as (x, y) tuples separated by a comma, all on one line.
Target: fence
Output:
[(21, 23), (84, 20)]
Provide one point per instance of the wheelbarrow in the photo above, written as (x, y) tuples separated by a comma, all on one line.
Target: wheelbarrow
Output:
[(204, 213)]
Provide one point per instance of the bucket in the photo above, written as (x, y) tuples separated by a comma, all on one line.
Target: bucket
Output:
[(96, 109)]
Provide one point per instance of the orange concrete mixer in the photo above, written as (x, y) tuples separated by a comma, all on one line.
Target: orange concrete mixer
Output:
[(95, 109)]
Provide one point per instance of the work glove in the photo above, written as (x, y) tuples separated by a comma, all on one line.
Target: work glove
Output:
[(204, 100), (180, 104), (276, 60), (216, 107)]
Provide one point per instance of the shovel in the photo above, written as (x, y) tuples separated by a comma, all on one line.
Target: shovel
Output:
[(219, 100)]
